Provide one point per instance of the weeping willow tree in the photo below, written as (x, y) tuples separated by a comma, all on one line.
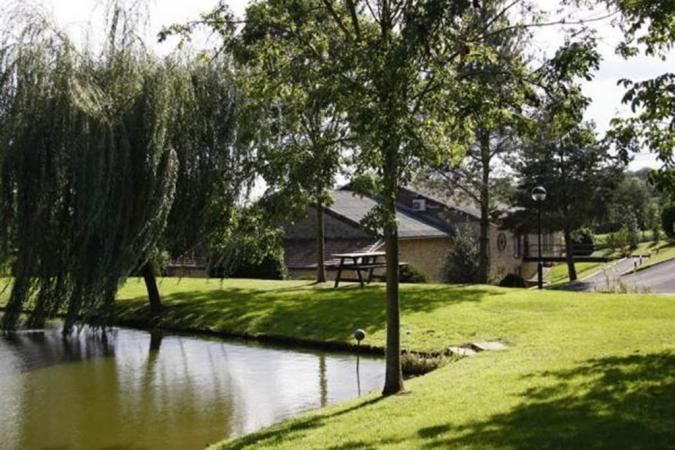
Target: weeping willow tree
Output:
[(104, 158)]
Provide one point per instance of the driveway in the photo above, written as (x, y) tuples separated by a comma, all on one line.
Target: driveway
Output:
[(660, 278), (603, 280)]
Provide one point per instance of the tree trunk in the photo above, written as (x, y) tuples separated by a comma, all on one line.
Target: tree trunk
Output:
[(484, 249), (320, 244), (151, 285), (569, 256), (394, 375)]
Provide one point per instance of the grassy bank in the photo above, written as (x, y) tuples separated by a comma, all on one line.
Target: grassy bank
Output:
[(559, 274), (303, 310), (581, 370)]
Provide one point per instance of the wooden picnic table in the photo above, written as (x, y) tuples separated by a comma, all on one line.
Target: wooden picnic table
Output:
[(359, 262)]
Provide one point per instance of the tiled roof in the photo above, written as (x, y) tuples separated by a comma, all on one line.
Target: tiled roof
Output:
[(354, 208), (463, 205)]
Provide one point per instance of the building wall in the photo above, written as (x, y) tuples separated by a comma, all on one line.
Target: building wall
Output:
[(427, 255)]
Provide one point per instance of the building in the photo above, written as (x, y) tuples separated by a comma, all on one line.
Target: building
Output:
[(426, 227)]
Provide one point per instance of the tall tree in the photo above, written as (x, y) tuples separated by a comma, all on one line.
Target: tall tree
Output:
[(630, 197), (564, 154), (90, 161), (301, 130), (392, 65), (495, 90)]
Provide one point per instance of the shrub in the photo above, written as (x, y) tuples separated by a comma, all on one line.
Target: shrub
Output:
[(608, 227), (462, 264), (270, 267), (668, 221), (583, 242), (618, 240), (414, 364), (514, 281), (412, 274)]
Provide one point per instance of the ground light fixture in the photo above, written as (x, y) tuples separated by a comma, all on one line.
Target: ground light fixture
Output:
[(539, 195)]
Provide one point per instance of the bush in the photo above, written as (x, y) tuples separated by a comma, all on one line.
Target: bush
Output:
[(583, 242), (608, 227), (618, 240), (513, 281), (462, 263), (414, 364), (270, 267), (668, 221), (411, 274)]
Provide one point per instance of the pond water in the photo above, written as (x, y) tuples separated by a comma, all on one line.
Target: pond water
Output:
[(134, 390)]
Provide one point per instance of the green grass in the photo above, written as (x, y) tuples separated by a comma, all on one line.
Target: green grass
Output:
[(558, 273), (659, 253), (582, 370)]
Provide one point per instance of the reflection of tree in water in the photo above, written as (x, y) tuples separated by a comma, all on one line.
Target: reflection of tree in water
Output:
[(162, 391), (69, 387), (181, 393), (152, 395), (45, 348)]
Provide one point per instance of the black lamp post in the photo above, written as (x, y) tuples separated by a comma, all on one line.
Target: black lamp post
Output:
[(539, 195)]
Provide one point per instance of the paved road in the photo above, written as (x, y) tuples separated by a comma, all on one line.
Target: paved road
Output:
[(658, 279)]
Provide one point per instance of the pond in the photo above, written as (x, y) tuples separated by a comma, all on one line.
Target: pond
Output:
[(134, 390)]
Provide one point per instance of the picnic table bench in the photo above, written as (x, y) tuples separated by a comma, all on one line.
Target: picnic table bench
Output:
[(365, 262)]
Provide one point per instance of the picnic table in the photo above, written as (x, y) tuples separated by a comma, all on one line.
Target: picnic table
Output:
[(365, 262)]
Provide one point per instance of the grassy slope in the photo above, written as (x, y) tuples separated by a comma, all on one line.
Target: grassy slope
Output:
[(581, 370), (660, 252), (559, 274)]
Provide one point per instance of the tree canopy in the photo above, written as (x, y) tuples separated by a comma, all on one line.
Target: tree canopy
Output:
[(98, 153)]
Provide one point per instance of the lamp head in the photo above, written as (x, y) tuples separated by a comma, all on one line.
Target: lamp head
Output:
[(539, 194)]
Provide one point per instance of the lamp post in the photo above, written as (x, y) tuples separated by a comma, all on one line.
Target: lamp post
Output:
[(539, 195)]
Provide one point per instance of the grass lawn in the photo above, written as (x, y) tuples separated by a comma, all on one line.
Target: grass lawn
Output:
[(558, 273), (582, 370), (660, 252)]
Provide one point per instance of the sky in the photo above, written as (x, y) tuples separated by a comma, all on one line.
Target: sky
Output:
[(75, 15)]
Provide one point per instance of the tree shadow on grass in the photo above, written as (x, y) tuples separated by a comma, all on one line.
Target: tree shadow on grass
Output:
[(322, 313), (613, 402)]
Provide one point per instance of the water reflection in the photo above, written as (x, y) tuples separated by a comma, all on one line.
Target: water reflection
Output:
[(132, 389)]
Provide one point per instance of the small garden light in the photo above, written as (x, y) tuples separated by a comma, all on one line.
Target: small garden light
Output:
[(359, 335)]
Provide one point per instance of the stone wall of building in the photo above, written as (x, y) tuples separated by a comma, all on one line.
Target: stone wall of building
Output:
[(427, 255)]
